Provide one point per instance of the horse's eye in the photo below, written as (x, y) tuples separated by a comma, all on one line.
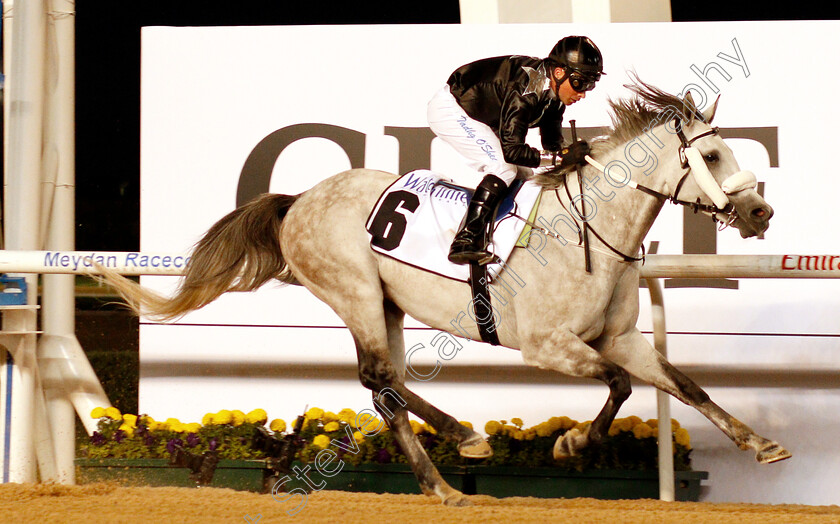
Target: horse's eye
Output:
[(711, 157)]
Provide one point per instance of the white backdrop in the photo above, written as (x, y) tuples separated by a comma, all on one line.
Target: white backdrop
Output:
[(210, 95)]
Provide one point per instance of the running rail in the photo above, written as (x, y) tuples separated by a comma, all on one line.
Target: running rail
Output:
[(653, 268)]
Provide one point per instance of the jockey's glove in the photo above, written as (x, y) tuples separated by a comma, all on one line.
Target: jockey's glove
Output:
[(548, 158), (574, 154)]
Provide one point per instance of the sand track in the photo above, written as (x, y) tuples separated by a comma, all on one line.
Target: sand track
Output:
[(110, 503)]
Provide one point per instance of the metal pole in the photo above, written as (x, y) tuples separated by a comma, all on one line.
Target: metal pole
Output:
[(22, 206), (663, 401), (65, 369)]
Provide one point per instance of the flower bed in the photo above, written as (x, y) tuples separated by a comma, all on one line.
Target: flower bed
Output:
[(523, 454)]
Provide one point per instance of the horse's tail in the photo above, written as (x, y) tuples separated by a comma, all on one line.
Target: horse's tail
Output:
[(240, 252)]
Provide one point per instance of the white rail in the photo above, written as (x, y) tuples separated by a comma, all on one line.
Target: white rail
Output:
[(654, 267)]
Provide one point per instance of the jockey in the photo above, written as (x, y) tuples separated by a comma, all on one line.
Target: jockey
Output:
[(485, 110)]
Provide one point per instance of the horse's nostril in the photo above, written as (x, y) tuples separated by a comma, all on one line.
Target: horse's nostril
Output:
[(759, 213)]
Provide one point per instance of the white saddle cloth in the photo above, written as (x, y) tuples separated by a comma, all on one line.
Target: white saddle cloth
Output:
[(416, 218)]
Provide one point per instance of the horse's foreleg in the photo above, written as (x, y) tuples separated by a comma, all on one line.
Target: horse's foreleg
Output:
[(568, 354), (633, 352)]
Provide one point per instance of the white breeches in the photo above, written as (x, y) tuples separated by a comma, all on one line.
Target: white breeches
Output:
[(474, 140)]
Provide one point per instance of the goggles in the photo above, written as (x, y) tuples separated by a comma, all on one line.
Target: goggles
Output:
[(581, 82)]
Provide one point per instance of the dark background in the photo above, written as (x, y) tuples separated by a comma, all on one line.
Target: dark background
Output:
[(108, 80)]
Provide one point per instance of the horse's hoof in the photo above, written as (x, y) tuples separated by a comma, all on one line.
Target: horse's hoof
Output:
[(475, 447), (457, 499), (568, 444), (772, 452)]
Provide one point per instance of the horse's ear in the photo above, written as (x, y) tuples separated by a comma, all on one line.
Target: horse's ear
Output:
[(709, 114), (689, 108)]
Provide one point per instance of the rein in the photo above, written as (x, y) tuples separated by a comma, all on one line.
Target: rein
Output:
[(710, 209)]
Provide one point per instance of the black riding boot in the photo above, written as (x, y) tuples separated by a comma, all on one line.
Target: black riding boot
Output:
[(470, 244)]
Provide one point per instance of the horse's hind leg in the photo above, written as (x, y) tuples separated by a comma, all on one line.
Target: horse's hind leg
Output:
[(430, 479), (568, 354), (470, 443), (636, 355), (378, 372)]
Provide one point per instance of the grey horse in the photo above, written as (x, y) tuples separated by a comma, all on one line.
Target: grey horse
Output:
[(565, 319)]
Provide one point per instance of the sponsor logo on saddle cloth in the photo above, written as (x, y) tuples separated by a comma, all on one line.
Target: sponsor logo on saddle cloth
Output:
[(417, 217)]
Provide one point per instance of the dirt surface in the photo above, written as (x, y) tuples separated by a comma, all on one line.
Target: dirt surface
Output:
[(110, 503)]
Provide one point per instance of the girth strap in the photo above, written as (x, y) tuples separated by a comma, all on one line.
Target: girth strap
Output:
[(479, 285)]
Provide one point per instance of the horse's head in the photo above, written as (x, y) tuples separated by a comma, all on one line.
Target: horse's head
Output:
[(711, 175)]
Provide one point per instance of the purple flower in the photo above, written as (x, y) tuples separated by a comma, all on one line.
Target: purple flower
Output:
[(213, 444), (97, 439), (382, 456), (193, 440), (174, 444), (119, 435), (149, 440)]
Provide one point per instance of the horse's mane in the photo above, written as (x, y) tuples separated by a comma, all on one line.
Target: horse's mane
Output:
[(630, 118)]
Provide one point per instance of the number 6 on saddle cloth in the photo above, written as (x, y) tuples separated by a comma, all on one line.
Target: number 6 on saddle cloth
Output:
[(416, 218)]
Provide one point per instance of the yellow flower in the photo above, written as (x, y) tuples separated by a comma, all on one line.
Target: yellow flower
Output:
[(492, 427), (178, 427), (131, 420), (256, 416), (171, 423), (642, 430), (652, 422), (278, 425), (208, 419), (373, 426), (466, 424), (329, 416), (626, 424), (331, 426), (315, 413), (516, 421), (674, 425), (223, 417), (192, 427), (429, 428), (367, 422), (358, 436), (129, 430), (238, 417), (416, 427), (682, 438), (321, 441), (154, 425), (347, 415), (97, 413), (544, 429), (615, 428), (113, 413), (518, 434), (636, 420), (582, 426)]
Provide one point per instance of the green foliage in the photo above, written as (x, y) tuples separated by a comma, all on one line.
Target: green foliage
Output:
[(631, 444)]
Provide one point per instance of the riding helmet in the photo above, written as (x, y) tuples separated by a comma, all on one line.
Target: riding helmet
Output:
[(578, 53)]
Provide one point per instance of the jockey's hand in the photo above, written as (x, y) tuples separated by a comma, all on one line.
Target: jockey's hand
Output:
[(574, 154), (548, 158)]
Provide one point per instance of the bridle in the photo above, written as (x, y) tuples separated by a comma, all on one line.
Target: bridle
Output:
[(692, 161)]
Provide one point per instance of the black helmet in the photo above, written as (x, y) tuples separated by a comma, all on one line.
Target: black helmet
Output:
[(578, 53)]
